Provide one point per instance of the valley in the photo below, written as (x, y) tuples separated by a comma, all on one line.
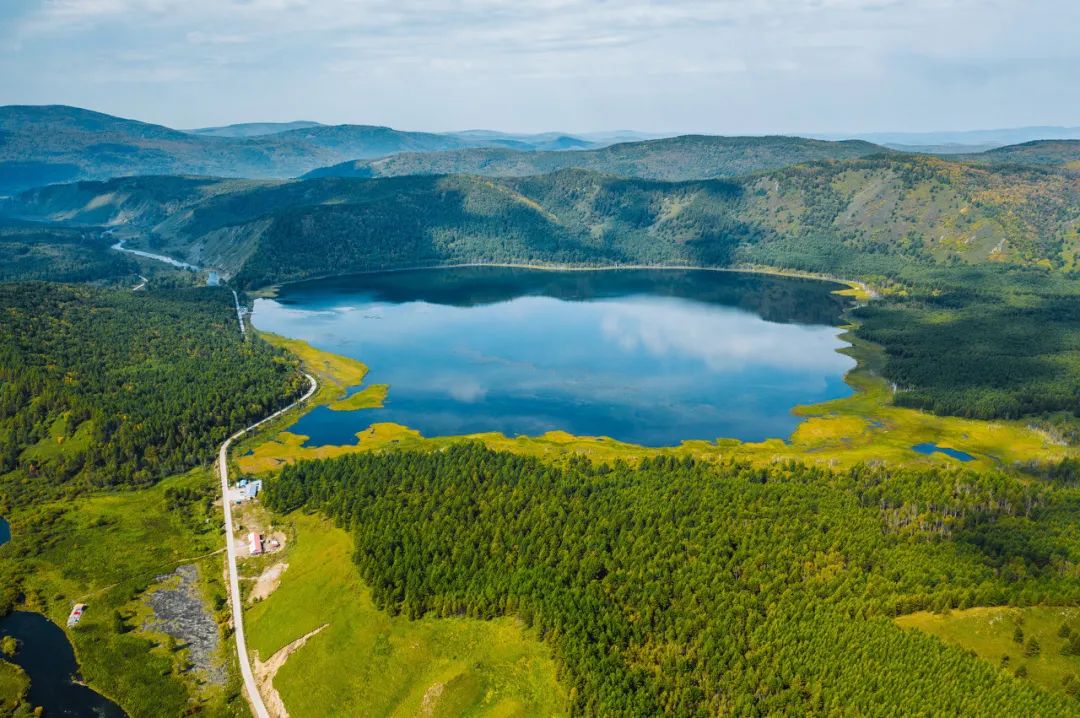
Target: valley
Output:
[(816, 412)]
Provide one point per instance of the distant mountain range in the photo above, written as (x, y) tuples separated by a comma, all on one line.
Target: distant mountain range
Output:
[(960, 141), (1049, 153), (42, 145), (49, 144), (676, 158), (254, 129)]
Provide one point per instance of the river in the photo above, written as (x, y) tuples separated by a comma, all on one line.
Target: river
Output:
[(119, 247)]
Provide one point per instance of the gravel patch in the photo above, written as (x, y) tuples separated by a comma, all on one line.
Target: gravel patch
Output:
[(180, 612)]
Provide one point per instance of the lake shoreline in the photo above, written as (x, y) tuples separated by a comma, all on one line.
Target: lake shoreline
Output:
[(865, 293), (731, 331)]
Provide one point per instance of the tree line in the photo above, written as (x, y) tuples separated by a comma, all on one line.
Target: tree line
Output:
[(685, 588)]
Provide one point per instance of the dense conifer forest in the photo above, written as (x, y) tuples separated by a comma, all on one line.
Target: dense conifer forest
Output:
[(59, 254), (692, 589), (108, 388)]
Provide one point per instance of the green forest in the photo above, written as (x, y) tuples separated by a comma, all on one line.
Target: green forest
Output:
[(59, 254), (105, 388), (974, 263), (691, 589)]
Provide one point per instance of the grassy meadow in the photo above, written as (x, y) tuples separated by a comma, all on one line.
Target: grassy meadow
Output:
[(367, 663), (106, 550), (992, 634)]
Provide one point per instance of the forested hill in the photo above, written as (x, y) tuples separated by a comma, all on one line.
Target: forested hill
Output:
[(102, 388), (686, 589), (677, 158), (878, 215), (1057, 153), (47, 144), (988, 250)]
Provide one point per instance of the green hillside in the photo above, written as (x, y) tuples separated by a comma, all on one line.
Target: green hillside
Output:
[(1059, 153), (676, 158), (960, 251), (105, 388), (60, 254), (878, 215), (48, 144)]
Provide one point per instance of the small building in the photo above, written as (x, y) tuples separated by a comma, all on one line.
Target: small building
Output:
[(253, 488), (255, 544), (76, 615)]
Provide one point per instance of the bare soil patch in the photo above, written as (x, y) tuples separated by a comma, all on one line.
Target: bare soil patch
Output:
[(265, 672)]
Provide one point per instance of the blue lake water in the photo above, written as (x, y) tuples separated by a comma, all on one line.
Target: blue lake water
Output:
[(650, 357), (5, 531), (930, 448)]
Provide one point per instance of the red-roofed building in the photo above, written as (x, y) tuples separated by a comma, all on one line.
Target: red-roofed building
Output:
[(255, 544)]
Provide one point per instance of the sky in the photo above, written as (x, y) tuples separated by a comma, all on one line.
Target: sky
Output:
[(712, 66)]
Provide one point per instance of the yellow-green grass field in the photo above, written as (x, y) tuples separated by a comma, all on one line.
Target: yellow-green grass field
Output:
[(104, 550), (335, 373), (367, 663), (370, 397), (863, 427), (56, 443), (989, 632)]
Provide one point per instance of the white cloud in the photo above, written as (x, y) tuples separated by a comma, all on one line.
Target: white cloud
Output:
[(722, 340), (690, 65)]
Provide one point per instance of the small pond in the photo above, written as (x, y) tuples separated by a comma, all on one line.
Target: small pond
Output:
[(47, 657), (931, 448)]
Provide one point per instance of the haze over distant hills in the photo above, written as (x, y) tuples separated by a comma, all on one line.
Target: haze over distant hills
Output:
[(254, 129), (42, 145), (48, 144), (958, 141), (675, 158)]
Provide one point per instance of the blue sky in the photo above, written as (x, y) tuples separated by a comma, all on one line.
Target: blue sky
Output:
[(718, 66)]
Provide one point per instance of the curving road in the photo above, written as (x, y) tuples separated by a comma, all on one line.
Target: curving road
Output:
[(257, 705)]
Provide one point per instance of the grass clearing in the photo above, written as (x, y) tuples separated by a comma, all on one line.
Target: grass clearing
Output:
[(106, 550), (336, 374), (13, 686), (367, 663), (991, 632)]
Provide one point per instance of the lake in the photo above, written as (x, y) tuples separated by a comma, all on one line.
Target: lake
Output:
[(5, 531), (651, 357), (47, 657)]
